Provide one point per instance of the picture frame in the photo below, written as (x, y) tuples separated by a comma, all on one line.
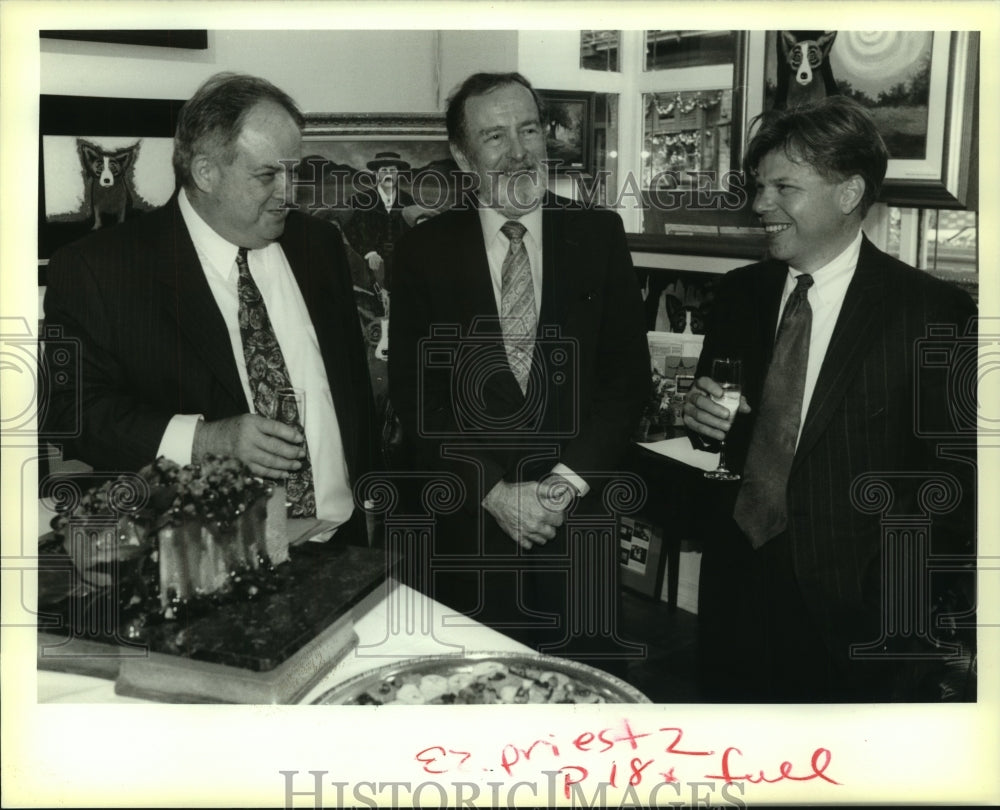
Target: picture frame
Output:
[(334, 173), (711, 222), (191, 39), (946, 179), (921, 87), (349, 142), (570, 135), (134, 136), (640, 555)]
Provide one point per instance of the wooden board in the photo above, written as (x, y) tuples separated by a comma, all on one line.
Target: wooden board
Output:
[(269, 650)]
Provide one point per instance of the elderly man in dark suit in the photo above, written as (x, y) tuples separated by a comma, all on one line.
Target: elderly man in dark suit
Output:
[(519, 363), (190, 318), (800, 569)]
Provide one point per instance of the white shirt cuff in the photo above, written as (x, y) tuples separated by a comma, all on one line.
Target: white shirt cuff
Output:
[(581, 486), (178, 439)]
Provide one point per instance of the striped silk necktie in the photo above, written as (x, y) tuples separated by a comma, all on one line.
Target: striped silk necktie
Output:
[(761, 509), (268, 373), (518, 319)]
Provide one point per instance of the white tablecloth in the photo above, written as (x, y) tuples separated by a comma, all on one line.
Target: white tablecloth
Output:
[(681, 449), (383, 639)]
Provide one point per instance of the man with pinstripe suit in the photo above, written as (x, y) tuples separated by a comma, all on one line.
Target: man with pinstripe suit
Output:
[(159, 309), (794, 579)]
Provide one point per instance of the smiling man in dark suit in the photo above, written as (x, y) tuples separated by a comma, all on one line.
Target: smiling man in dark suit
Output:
[(801, 573), (519, 363), (190, 317)]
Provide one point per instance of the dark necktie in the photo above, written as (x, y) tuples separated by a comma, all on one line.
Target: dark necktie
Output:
[(517, 304), (762, 503), (268, 373)]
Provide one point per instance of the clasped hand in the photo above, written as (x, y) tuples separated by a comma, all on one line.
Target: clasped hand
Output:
[(530, 512), (270, 449), (702, 412)]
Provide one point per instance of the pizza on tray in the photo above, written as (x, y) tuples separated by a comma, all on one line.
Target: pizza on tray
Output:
[(486, 679)]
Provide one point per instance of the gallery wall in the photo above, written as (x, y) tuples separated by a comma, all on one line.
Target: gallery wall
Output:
[(325, 71)]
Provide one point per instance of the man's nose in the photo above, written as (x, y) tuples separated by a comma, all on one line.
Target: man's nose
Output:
[(762, 201), (518, 145)]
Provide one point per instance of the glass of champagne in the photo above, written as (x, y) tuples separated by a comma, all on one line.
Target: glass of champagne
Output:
[(291, 407), (728, 373)]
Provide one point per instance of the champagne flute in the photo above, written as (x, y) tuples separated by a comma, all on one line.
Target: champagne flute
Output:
[(728, 373), (291, 407)]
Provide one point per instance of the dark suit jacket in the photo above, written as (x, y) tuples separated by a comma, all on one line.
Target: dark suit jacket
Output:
[(372, 227), (878, 407), (153, 343), (449, 377)]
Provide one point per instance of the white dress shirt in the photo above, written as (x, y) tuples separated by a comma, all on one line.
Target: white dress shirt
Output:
[(388, 200), (299, 346), (826, 297), (497, 245)]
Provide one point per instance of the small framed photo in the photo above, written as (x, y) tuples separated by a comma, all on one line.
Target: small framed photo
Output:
[(640, 555), (569, 138)]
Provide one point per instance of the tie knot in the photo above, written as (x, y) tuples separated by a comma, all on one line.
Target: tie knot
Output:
[(241, 260), (804, 281), (514, 231)]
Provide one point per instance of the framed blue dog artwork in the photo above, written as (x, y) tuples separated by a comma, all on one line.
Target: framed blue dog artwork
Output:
[(919, 86), (101, 161)]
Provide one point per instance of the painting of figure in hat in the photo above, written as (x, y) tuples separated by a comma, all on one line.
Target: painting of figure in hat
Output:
[(374, 189), (376, 220)]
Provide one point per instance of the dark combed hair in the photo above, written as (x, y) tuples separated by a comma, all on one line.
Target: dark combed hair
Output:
[(213, 117), (479, 84), (836, 136)]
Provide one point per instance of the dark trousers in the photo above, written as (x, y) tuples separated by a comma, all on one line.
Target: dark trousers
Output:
[(530, 596), (758, 640)]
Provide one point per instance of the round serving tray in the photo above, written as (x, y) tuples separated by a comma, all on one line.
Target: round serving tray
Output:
[(483, 677)]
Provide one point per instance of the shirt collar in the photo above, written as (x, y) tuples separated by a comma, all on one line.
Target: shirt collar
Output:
[(388, 198), (839, 268), (492, 221), (218, 254)]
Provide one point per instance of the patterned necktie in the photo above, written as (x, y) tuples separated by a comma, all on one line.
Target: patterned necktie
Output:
[(517, 304), (268, 373), (762, 503)]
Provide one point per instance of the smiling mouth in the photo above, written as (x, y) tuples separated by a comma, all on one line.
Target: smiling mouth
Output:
[(773, 228)]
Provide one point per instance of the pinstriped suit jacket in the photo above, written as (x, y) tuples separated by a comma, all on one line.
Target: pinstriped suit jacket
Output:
[(153, 343), (881, 406)]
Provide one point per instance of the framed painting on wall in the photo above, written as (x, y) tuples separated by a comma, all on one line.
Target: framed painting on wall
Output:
[(569, 140), (191, 39), (101, 161), (919, 86), (344, 158), (338, 149)]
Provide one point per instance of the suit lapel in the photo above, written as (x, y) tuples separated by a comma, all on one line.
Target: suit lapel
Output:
[(562, 262), (857, 326), (473, 283), (323, 304), (476, 301), (188, 300)]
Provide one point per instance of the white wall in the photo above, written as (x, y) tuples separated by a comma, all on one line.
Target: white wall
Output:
[(467, 52), (325, 71)]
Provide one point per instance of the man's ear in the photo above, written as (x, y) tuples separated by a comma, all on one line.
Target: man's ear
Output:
[(204, 173), (463, 162), (852, 192)]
